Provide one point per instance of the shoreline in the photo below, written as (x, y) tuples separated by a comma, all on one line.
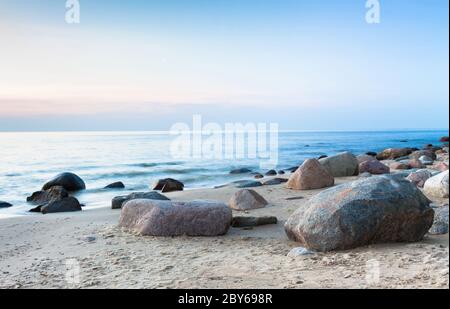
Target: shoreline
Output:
[(35, 256)]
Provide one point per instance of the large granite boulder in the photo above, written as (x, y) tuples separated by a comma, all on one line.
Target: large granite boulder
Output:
[(169, 185), (119, 201), (437, 186), (419, 177), (247, 200), (421, 153), (440, 225), (310, 175), (68, 181), (394, 153), (166, 218), (53, 194), (341, 165), (365, 157), (378, 209), (374, 167)]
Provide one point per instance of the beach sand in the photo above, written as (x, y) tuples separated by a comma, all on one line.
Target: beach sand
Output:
[(42, 251)]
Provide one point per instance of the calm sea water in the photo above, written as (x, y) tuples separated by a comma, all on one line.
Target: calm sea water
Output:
[(28, 160)]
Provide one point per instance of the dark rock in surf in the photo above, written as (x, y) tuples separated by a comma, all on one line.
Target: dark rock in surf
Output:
[(240, 171), (68, 181), (5, 204), (116, 185), (68, 204), (169, 185), (55, 193)]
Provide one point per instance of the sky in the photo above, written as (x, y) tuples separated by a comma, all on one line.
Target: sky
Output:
[(144, 65)]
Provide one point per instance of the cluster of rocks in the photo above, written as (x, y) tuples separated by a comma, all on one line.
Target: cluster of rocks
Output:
[(55, 195)]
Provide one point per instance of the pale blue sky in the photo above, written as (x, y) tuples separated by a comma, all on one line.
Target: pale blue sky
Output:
[(145, 64)]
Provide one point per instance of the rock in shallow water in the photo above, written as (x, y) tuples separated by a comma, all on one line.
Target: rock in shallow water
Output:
[(68, 181), (116, 185), (372, 210), (438, 186), (119, 201), (169, 185), (68, 204), (5, 204), (341, 165), (53, 194), (240, 171), (247, 200), (166, 218), (310, 175)]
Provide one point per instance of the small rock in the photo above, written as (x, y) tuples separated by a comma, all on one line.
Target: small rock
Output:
[(299, 252), (239, 222), (248, 184), (241, 171), (5, 204), (116, 185), (259, 176), (247, 200), (169, 185), (440, 225), (271, 173), (119, 201), (274, 182)]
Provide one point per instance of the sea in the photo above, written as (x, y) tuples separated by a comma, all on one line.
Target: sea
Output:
[(139, 159)]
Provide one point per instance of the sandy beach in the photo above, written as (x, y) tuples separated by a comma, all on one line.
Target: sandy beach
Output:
[(36, 251)]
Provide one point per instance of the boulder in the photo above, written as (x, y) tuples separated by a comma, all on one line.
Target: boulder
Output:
[(341, 165), (169, 185), (421, 153), (437, 186), (399, 166), (393, 153), (56, 193), (310, 175), (167, 218), (240, 222), (116, 185), (378, 209), (420, 177), (68, 204), (415, 163), (119, 201), (425, 160), (68, 181), (363, 158), (271, 173), (274, 182), (5, 204), (259, 176), (240, 171), (440, 225), (374, 167), (247, 200), (440, 166)]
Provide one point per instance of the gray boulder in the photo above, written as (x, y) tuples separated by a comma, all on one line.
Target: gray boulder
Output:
[(341, 165), (378, 209), (374, 167), (420, 177), (166, 218), (440, 225), (68, 181), (119, 201)]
